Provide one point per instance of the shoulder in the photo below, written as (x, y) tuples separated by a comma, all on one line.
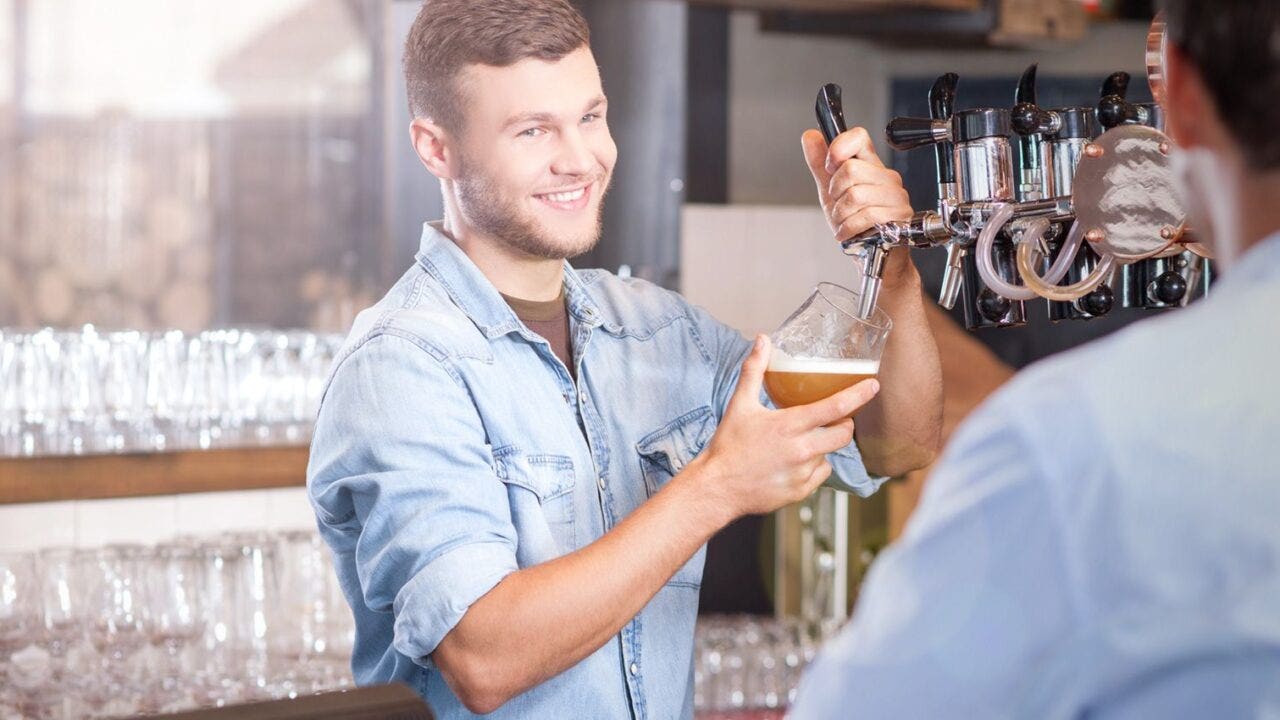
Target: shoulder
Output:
[(631, 306), (419, 312)]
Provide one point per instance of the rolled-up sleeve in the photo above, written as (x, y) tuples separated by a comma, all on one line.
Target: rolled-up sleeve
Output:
[(729, 350), (402, 478)]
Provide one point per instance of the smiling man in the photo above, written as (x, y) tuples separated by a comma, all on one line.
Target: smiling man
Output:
[(518, 464)]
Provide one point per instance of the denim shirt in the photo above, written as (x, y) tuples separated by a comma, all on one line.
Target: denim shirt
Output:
[(452, 448)]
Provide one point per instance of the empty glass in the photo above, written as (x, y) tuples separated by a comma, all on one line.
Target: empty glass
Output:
[(747, 667), (74, 393), (130, 629)]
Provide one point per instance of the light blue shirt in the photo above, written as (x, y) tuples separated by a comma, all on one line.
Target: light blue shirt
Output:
[(452, 448), (1101, 538)]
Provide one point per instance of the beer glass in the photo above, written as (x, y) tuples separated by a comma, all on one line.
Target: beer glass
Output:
[(824, 348)]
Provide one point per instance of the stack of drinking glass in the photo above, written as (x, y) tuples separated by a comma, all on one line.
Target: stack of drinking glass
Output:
[(73, 393), (131, 629), (748, 667)]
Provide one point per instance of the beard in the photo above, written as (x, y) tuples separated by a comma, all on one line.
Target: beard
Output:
[(500, 216)]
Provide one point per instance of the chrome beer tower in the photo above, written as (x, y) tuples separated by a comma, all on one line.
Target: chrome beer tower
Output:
[(1088, 214)]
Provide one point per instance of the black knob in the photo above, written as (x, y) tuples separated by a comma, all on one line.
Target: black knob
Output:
[(1098, 302), (1168, 288), (1028, 119), (991, 306), (904, 133), (1113, 109)]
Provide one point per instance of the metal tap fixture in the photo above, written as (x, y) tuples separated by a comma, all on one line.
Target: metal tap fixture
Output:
[(1076, 214)]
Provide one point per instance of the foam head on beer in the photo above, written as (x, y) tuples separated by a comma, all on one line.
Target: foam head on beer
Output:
[(794, 381)]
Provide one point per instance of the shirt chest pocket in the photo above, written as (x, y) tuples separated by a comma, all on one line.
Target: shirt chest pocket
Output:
[(540, 491), (663, 454), (667, 450)]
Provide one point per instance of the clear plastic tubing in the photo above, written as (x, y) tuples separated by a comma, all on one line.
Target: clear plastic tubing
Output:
[(1037, 229), (1049, 290)]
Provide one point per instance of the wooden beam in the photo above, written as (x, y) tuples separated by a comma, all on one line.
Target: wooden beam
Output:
[(46, 479)]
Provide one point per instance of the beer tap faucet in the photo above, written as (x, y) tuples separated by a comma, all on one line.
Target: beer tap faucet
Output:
[(924, 229), (1032, 124), (942, 98)]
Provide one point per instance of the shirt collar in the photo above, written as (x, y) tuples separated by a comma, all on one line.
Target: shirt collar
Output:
[(1260, 262), (476, 296)]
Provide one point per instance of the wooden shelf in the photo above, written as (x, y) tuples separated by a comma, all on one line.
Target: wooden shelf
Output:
[(45, 479)]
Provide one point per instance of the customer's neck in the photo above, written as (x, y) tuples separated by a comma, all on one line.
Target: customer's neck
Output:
[(1259, 207)]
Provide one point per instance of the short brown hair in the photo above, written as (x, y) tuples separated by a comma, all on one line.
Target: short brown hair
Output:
[(1235, 44), (448, 35)]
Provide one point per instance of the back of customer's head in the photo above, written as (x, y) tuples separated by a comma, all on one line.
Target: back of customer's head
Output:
[(1235, 47)]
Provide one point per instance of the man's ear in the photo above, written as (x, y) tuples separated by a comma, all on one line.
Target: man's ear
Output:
[(434, 147), (1189, 109)]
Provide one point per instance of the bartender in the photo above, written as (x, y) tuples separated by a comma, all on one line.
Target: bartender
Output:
[(516, 463), (1100, 538)]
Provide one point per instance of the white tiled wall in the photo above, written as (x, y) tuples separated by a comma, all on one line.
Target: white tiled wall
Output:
[(89, 523), (750, 266)]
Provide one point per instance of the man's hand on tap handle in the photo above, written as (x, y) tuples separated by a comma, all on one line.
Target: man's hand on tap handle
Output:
[(857, 191)]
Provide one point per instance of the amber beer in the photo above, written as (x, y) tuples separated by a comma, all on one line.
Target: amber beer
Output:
[(800, 381)]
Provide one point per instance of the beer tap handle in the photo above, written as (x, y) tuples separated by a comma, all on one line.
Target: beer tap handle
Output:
[(942, 100), (1032, 123), (1113, 109), (907, 133), (1117, 83), (1027, 118), (830, 110)]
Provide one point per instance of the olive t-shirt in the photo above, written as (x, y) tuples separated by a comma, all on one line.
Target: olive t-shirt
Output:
[(550, 319)]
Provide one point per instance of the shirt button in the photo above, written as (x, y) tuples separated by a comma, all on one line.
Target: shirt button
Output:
[(634, 668), (582, 396), (601, 482)]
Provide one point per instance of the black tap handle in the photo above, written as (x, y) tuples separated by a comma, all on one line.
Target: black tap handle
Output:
[(1027, 118), (830, 112), (906, 133), (1117, 83), (942, 96), (1026, 92), (1113, 109), (942, 101)]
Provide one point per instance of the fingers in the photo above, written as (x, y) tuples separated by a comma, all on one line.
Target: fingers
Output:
[(837, 407), (854, 173), (854, 143), (818, 476), (832, 437), (752, 376), (866, 196), (866, 219), (815, 155)]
